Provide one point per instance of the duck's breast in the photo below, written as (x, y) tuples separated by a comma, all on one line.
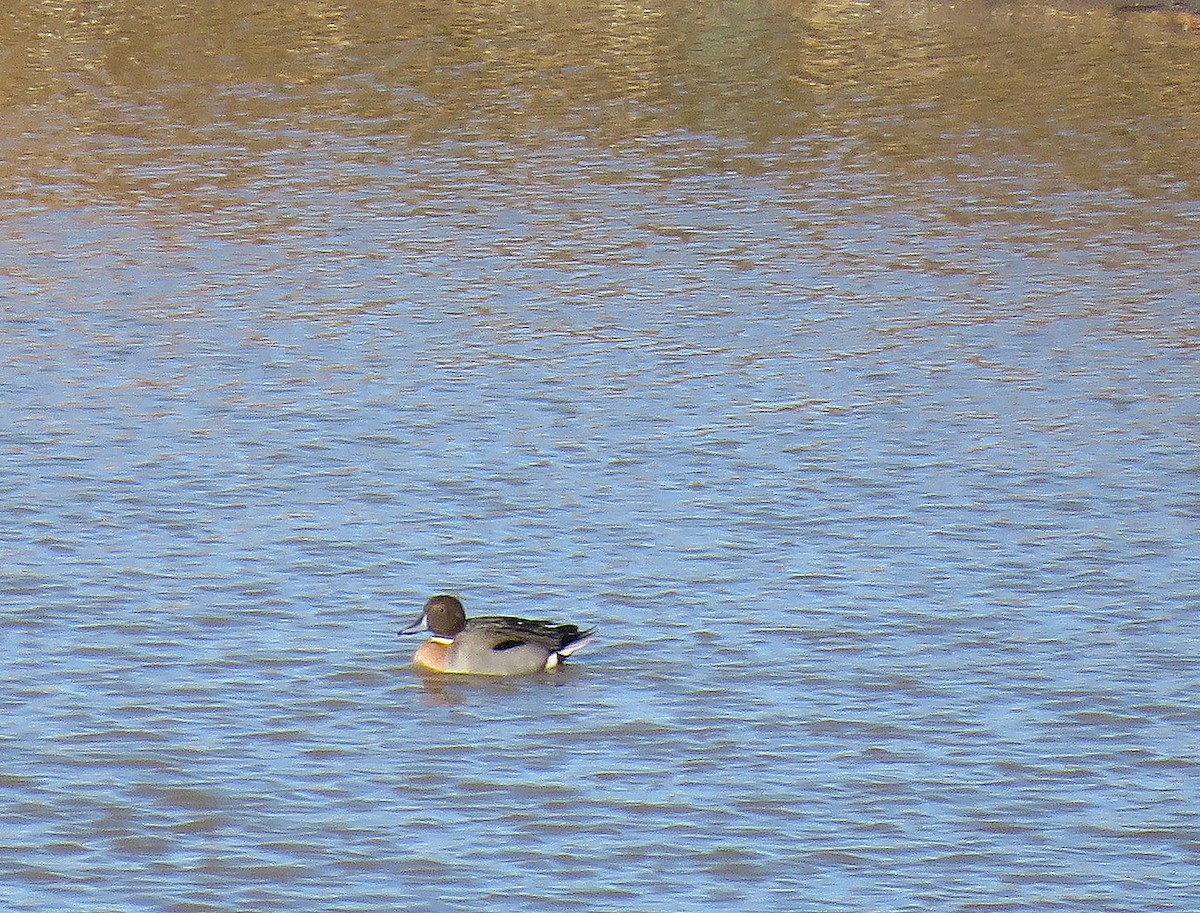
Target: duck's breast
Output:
[(432, 656)]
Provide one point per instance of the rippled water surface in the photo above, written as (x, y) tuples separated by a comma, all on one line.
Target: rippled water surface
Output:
[(840, 361)]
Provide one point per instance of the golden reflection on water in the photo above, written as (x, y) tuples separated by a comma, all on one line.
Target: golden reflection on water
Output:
[(179, 104)]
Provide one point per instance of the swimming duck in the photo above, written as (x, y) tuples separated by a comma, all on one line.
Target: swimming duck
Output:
[(491, 644)]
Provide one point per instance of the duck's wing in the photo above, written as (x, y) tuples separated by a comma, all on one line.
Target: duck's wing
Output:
[(506, 632)]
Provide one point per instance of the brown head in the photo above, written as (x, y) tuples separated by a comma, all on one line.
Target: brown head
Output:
[(443, 615)]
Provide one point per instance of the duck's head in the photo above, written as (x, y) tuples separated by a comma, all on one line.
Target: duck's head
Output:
[(443, 616)]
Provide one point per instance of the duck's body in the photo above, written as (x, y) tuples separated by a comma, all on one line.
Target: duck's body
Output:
[(491, 644)]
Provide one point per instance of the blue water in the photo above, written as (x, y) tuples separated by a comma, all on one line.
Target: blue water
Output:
[(885, 500)]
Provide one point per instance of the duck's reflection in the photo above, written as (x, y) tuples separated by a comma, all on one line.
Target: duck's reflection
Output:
[(439, 689)]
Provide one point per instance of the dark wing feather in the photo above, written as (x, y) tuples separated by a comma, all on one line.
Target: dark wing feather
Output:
[(516, 631)]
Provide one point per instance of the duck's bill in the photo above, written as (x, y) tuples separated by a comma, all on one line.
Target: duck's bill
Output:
[(421, 624)]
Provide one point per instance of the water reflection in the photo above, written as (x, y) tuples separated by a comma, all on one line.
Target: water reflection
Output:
[(478, 692), (192, 107)]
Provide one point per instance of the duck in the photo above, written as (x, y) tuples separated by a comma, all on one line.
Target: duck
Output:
[(491, 644)]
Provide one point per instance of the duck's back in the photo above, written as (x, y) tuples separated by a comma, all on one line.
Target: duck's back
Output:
[(511, 633)]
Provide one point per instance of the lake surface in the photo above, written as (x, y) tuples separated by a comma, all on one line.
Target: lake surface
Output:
[(841, 361)]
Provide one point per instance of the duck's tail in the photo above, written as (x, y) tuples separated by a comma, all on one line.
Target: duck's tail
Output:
[(574, 643), (577, 642)]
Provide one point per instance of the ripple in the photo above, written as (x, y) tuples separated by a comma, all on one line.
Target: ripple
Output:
[(861, 430)]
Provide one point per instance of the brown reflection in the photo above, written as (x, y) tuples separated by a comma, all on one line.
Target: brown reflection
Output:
[(437, 691), (196, 106)]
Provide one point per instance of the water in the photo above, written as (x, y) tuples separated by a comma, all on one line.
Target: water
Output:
[(840, 362)]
